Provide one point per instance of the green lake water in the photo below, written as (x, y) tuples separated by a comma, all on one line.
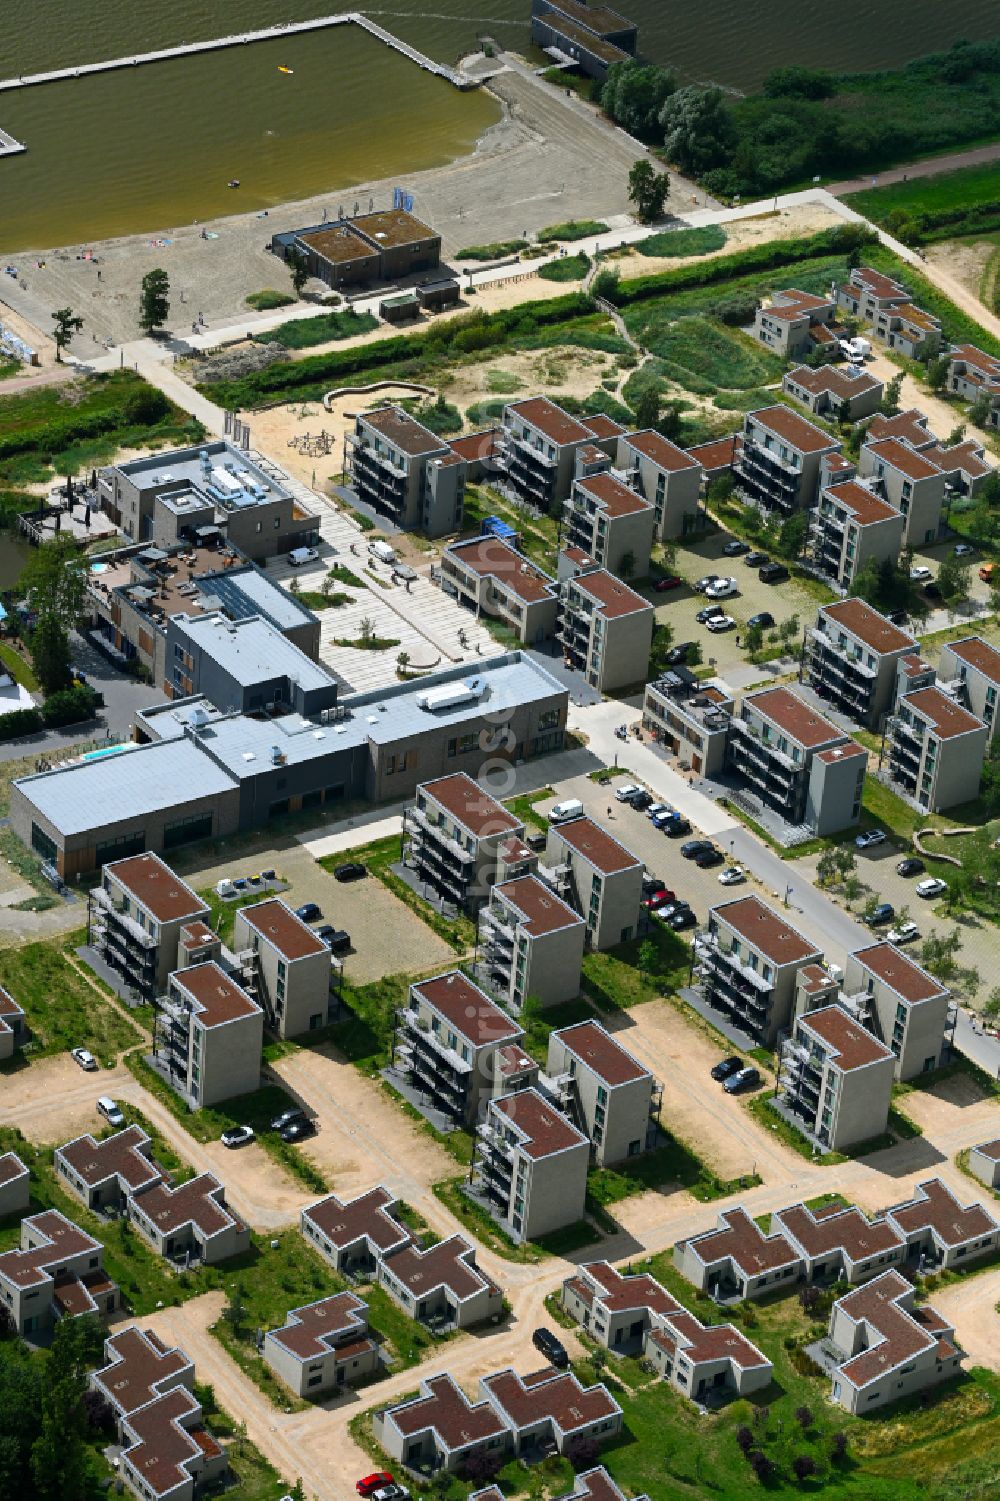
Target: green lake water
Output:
[(145, 149)]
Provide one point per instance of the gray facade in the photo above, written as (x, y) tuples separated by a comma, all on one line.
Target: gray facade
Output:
[(935, 750), (779, 465), (459, 840), (691, 719), (843, 393), (447, 1044), (750, 962), (537, 449), (594, 36), (851, 659), (836, 1079), (531, 945), (975, 664), (490, 577), (208, 1036), (287, 968), (850, 528), (911, 483), (611, 523), (404, 471), (598, 877), (786, 323), (605, 628), (244, 666), (607, 1092), (904, 1006), (135, 919), (530, 1166), (665, 475), (786, 754), (323, 1346), (886, 1347)]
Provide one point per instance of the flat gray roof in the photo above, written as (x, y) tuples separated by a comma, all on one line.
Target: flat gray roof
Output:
[(248, 591), (185, 466), (252, 650)]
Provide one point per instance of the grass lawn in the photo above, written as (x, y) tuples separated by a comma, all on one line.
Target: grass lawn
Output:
[(946, 192), (64, 1010), (254, 1478), (18, 666), (700, 352), (674, 1163), (684, 242), (523, 807), (637, 971), (566, 268), (302, 333), (572, 229), (538, 533)]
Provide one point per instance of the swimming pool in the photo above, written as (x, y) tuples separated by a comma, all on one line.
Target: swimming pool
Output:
[(107, 750)]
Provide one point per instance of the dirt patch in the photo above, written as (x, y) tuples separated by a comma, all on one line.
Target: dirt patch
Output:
[(952, 1105), (53, 1099), (965, 260)]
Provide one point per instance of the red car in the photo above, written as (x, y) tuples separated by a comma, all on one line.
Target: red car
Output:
[(670, 581), (373, 1482), (658, 899)]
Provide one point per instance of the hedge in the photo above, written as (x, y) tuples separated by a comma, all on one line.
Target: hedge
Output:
[(20, 722)]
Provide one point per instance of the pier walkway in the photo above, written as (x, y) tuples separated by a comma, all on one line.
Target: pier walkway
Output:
[(237, 39)]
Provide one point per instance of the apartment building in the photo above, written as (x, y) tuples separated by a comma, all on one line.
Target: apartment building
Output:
[(405, 472), (909, 427), (599, 877), (664, 475), (354, 1235), (905, 328), (207, 1036), (850, 528), (531, 944), (911, 483), (13, 1026), (538, 446), (737, 1260), (490, 577), (530, 1165), (611, 523), (941, 1233), (286, 969), (605, 628), (104, 1175), (838, 1244), (984, 1162), (902, 1004), (868, 292), (780, 463), (322, 1346), (690, 719), (935, 750), (841, 393), (457, 839), (750, 960), (594, 36), (191, 1223), (972, 373), (786, 323), (631, 1314), (836, 1078), (246, 665), (172, 497), (442, 1286), (57, 1272), (610, 1095), (446, 1044), (134, 922), (796, 762), (852, 655), (887, 1347), (975, 664), (15, 1185)]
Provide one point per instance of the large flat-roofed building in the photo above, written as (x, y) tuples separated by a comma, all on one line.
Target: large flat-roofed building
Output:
[(840, 1244), (530, 1165), (489, 576), (135, 919), (779, 465), (750, 962), (244, 666), (665, 475), (190, 1223), (208, 1036), (209, 775), (605, 628), (906, 328), (599, 877), (531, 944), (886, 1346), (902, 1004), (850, 528), (843, 393), (594, 37), (910, 482), (611, 523), (940, 1231), (605, 1090), (404, 471), (323, 1346), (975, 664), (287, 967), (690, 718), (180, 495), (379, 246), (13, 1027), (797, 762), (851, 659), (737, 1259), (446, 1044), (836, 1079), (459, 840), (105, 1174), (935, 750)]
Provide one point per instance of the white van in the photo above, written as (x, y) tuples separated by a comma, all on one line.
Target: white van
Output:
[(382, 551), (110, 1111), (225, 887), (563, 812)]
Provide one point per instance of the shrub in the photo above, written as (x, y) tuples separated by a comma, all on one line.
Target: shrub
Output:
[(20, 722), (268, 299), (70, 705), (495, 251), (573, 229)]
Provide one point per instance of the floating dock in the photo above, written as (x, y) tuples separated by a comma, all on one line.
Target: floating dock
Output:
[(8, 145)]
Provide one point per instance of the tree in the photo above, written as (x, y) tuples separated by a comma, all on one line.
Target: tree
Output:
[(979, 411), (852, 889), (991, 1006), (671, 421), (626, 564), (235, 1311), (55, 584), (648, 190), (809, 1297), (66, 325), (939, 953), (792, 535), (694, 656), (403, 660), (634, 94), (58, 1457), (955, 581), (298, 1491), (826, 868), (367, 629), (154, 303), (763, 1467), (804, 1467), (481, 1467), (699, 131), (298, 268), (838, 1445), (754, 641), (871, 906), (647, 409), (804, 1417), (937, 372), (605, 284), (648, 956), (889, 405), (955, 436)]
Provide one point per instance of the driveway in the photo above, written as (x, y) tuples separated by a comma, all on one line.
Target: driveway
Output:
[(972, 1307)]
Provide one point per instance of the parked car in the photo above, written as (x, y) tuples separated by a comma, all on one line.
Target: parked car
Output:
[(747, 1078), (719, 623), (667, 815), (756, 559), (685, 918), (702, 584), (735, 548), (84, 1058), (657, 899), (551, 1347), (536, 840), (733, 875), (707, 858), (987, 571), (869, 839), (337, 940), (726, 1068), (764, 619), (932, 886), (898, 617), (352, 871), (884, 912), (655, 809), (238, 1136), (301, 555), (641, 801), (394, 1492), (650, 884), (709, 613), (669, 581), (298, 1130), (963, 550), (675, 827), (678, 655), (626, 791), (293, 1113), (723, 588), (111, 1111), (919, 574), (672, 908), (910, 866), (772, 573), (907, 932), (309, 911), (372, 1483), (696, 847)]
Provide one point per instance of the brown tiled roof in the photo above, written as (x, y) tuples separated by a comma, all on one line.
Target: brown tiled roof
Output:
[(832, 378), (909, 427), (935, 1208), (596, 845), (576, 555), (197, 1203), (720, 453), (313, 1330), (849, 749), (865, 622), (155, 886), (218, 998), (814, 977), (444, 1407), (661, 451), (874, 281), (966, 457), (57, 1240), (895, 1335), (990, 1149), (403, 431), (589, 453), (8, 1007), (125, 1155), (765, 930), (515, 848), (898, 456), (834, 1228), (946, 718), (911, 983), (11, 1167), (281, 927), (613, 597), (541, 910), (914, 664), (619, 1293), (558, 426), (469, 1010), (977, 653), (867, 509), (597, 1485), (471, 805), (743, 1242), (595, 1047), (138, 1365), (709, 1342), (197, 932), (345, 1222), (75, 1296), (548, 1394), (512, 1059), (164, 1449), (614, 498), (475, 445), (792, 714), (490, 557), (917, 317), (853, 1045), (450, 1264), (542, 1129), (795, 430), (602, 426)]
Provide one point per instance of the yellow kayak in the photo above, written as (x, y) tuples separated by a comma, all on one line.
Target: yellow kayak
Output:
[(286, 70)]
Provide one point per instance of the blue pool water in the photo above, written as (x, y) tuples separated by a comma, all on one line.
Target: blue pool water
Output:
[(106, 750)]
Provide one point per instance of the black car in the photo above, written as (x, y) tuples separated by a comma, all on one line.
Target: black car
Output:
[(546, 1343), (735, 548), (640, 800), (287, 1118), (651, 884), (676, 827), (298, 1130), (744, 1078), (685, 918), (671, 909), (725, 1068), (709, 613), (352, 871), (678, 654), (765, 620), (910, 866), (772, 573), (695, 847), (309, 912), (898, 617), (336, 939), (708, 858), (536, 840)]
